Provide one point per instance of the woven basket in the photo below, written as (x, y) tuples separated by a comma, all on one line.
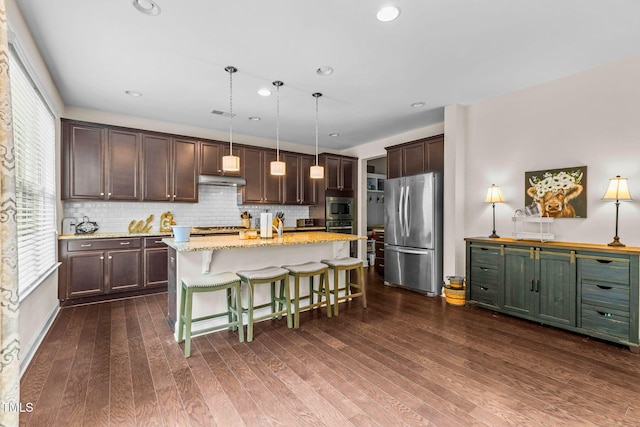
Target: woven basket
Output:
[(454, 296)]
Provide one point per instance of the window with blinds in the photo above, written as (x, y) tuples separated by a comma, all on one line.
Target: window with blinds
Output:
[(34, 140)]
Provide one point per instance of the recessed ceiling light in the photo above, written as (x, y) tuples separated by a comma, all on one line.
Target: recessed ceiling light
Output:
[(325, 70), (254, 118), (334, 134), (133, 93), (417, 104), (388, 13), (148, 7), (264, 92)]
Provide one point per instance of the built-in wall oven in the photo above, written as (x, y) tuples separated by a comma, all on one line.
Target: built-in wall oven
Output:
[(340, 218)]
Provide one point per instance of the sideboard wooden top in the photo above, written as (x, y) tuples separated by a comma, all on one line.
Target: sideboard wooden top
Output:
[(634, 250)]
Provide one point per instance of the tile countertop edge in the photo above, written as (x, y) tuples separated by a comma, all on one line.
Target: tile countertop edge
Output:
[(213, 243)]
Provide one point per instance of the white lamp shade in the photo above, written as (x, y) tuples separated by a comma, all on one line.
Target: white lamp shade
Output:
[(618, 189), (316, 172), (278, 168), (494, 195), (231, 163)]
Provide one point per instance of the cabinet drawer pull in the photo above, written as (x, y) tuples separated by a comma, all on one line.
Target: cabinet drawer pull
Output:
[(483, 269), (532, 281), (604, 261), (125, 243), (603, 313), (605, 287), (484, 288), (158, 241), (88, 245), (381, 265)]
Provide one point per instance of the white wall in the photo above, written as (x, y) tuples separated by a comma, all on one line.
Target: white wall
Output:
[(588, 119)]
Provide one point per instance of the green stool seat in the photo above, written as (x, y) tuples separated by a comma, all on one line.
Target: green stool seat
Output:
[(347, 265), (269, 275), (309, 269), (209, 283)]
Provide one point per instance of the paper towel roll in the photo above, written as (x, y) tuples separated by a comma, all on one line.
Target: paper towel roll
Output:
[(266, 219)]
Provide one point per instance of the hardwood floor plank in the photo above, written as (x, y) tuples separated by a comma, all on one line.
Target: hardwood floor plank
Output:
[(96, 407), (406, 360)]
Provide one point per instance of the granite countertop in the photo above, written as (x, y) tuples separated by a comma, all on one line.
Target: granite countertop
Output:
[(213, 243), (125, 234)]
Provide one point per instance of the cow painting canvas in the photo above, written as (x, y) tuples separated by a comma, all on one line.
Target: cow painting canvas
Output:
[(559, 193)]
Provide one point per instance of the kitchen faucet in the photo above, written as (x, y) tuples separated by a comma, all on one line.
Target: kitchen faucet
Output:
[(280, 228)]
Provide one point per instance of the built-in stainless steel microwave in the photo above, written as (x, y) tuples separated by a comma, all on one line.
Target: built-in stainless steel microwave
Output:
[(339, 208)]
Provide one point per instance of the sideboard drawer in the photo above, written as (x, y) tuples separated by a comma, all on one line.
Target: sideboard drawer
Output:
[(102, 244)]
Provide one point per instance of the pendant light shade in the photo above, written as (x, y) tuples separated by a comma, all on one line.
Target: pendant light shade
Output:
[(316, 171), (231, 163), (278, 168)]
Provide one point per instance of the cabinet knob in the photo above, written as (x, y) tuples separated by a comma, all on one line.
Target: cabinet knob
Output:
[(168, 196), (101, 257), (109, 194), (102, 194), (110, 257)]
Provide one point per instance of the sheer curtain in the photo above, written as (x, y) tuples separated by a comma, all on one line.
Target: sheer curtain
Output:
[(9, 334)]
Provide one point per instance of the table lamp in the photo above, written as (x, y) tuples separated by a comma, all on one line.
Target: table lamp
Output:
[(494, 195), (618, 190)]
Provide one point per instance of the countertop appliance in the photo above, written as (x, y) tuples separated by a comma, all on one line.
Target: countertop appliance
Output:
[(413, 232)]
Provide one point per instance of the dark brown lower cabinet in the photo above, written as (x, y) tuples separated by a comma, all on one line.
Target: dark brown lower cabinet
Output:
[(101, 269)]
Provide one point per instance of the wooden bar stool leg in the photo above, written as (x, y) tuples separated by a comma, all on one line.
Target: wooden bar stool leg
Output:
[(187, 323), (336, 279), (250, 314), (181, 316), (296, 302), (287, 300), (238, 312), (362, 286)]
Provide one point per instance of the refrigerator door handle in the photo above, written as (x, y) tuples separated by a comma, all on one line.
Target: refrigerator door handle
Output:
[(406, 250), (406, 212), (401, 209)]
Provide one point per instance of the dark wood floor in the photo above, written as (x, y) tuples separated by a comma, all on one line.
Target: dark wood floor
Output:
[(406, 360)]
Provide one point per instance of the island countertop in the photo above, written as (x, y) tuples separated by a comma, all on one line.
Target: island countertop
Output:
[(213, 243)]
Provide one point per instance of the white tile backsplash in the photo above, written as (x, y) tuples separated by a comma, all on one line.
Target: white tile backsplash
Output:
[(216, 206)]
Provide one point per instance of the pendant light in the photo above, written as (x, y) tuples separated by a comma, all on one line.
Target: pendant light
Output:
[(278, 168), (231, 163), (317, 171)]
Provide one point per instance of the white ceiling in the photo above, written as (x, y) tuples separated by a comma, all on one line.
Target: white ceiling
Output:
[(440, 52)]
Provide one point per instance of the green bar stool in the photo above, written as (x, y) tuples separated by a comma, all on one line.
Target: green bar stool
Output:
[(209, 283), (309, 269), (347, 265), (269, 275)]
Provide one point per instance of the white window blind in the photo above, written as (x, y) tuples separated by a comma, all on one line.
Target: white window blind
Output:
[(34, 140)]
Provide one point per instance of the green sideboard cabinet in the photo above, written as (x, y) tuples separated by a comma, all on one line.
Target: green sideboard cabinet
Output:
[(585, 288)]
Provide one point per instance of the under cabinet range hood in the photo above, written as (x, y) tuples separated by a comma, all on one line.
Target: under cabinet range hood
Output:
[(230, 181)]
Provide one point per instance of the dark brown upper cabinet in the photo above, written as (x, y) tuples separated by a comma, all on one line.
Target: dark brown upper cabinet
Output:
[(99, 163), (416, 157), (261, 186), (339, 172), (298, 187), (211, 154), (169, 168)]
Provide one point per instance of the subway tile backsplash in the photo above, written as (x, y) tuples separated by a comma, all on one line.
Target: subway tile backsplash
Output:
[(216, 206)]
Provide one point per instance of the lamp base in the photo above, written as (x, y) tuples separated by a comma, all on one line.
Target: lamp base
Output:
[(616, 242), (495, 236)]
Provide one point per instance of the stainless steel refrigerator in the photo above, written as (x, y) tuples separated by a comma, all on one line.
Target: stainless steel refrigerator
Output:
[(413, 232)]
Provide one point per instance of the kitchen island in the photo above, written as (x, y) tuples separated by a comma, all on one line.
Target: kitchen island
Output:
[(216, 254)]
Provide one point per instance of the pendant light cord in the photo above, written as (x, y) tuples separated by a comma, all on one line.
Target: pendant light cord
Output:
[(278, 84), (231, 70), (317, 95)]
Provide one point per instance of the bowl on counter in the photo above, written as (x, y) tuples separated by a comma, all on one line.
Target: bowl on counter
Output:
[(252, 234)]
